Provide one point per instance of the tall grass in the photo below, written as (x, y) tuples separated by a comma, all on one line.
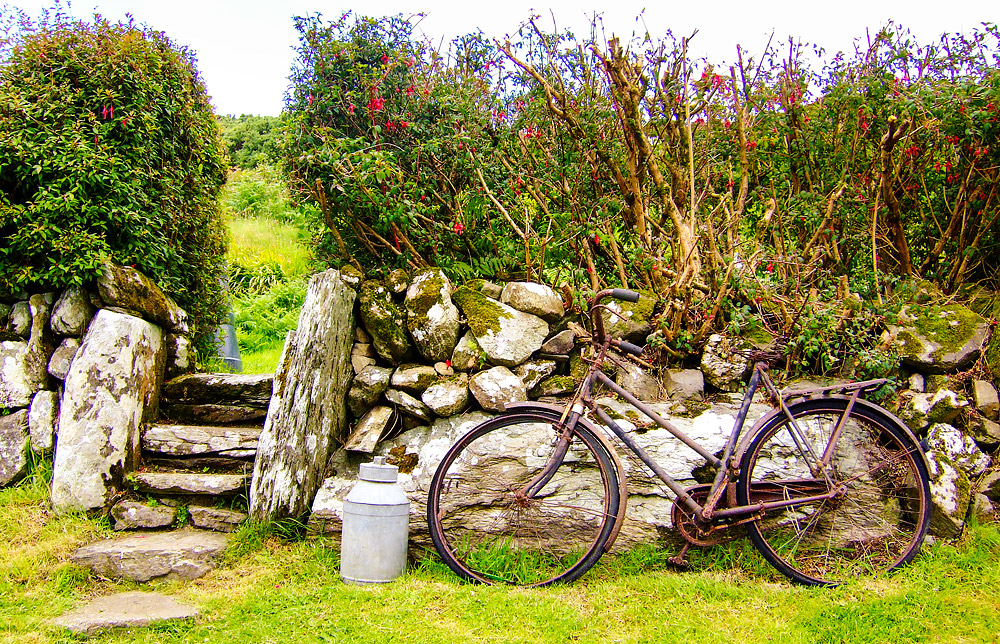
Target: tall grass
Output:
[(269, 261)]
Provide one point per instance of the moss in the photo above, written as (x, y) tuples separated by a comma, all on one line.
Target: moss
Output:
[(693, 408), (758, 336), (949, 326), (383, 320), (557, 385), (993, 354), (430, 283), (484, 314)]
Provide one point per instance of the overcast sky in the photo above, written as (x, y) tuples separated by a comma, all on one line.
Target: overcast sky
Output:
[(245, 47)]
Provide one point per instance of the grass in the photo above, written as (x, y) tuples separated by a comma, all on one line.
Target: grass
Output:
[(275, 587), (269, 260)]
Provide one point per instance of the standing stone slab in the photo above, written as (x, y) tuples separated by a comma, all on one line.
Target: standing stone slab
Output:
[(14, 441), (109, 391), (308, 411), (370, 429)]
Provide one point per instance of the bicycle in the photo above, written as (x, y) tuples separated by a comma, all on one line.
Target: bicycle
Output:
[(828, 485)]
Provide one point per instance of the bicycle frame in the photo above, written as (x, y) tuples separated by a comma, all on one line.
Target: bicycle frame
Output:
[(727, 467)]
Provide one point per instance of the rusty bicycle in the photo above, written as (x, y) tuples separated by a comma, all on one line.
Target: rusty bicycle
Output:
[(828, 485)]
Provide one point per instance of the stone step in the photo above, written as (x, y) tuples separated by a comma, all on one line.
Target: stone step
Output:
[(190, 440), (125, 610), (177, 554), (214, 464), (220, 388), (212, 414), (190, 483)]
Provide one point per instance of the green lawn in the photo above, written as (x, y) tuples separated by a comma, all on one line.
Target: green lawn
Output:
[(270, 590)]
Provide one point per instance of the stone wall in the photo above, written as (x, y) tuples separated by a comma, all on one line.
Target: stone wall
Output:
[(81, 372)]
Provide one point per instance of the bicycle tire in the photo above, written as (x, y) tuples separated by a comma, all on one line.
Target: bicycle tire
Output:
[(878, 522), (487, 532)]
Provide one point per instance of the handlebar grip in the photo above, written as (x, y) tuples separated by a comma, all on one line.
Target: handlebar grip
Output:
[(625, 294), (628, 347)]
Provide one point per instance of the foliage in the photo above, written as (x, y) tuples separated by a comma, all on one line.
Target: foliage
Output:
[(251, 140), (611, 163), (267, 318), (108, 151)]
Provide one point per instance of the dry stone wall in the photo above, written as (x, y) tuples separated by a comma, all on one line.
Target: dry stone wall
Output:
[(80, 373)]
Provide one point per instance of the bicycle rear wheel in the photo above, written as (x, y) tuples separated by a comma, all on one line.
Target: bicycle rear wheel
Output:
[(877, 521), (489, 531)]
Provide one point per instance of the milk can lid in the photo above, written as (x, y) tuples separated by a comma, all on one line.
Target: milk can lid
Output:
[(378, 471)]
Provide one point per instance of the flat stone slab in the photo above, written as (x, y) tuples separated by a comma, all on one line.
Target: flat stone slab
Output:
[(188, 440), (191, 483), (124, 610), (180, 554)]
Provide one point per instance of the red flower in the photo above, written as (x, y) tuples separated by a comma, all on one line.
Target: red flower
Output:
[(350, 110), (310, 99), (385, 59), (770, 267), (459, 228), (597, 240)]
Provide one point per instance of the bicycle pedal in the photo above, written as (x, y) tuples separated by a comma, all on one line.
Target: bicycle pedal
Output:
[(680, 561)]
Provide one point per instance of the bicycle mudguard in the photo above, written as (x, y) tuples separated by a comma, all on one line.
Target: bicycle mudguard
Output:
[(860, 402), (555, 412)]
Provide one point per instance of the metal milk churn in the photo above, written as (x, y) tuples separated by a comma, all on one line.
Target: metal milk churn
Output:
[(376, 526)]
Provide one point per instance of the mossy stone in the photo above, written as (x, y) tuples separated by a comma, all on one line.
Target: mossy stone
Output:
[(483, 313), (384, 321), (941, 339)]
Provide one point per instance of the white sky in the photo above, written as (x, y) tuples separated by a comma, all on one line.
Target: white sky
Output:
[(245, 47)]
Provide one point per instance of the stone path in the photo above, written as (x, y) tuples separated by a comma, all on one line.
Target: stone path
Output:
[(179, 554), (124, 610)]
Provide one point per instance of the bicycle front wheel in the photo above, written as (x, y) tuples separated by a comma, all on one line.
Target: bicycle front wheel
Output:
[(879, 515), (489, 530)]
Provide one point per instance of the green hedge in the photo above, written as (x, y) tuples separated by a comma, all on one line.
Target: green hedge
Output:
[(109, 149)]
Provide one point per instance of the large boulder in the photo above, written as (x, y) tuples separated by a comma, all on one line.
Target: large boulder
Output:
[(14, 441), (536, 299), (418, 452), (127, 288), (384, 321), (940, 339), (307, 412), (109, 393), (507, 336), (431, 316)]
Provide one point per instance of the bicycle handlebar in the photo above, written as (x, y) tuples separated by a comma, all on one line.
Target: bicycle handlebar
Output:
[(624, 294), (628, 347)]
